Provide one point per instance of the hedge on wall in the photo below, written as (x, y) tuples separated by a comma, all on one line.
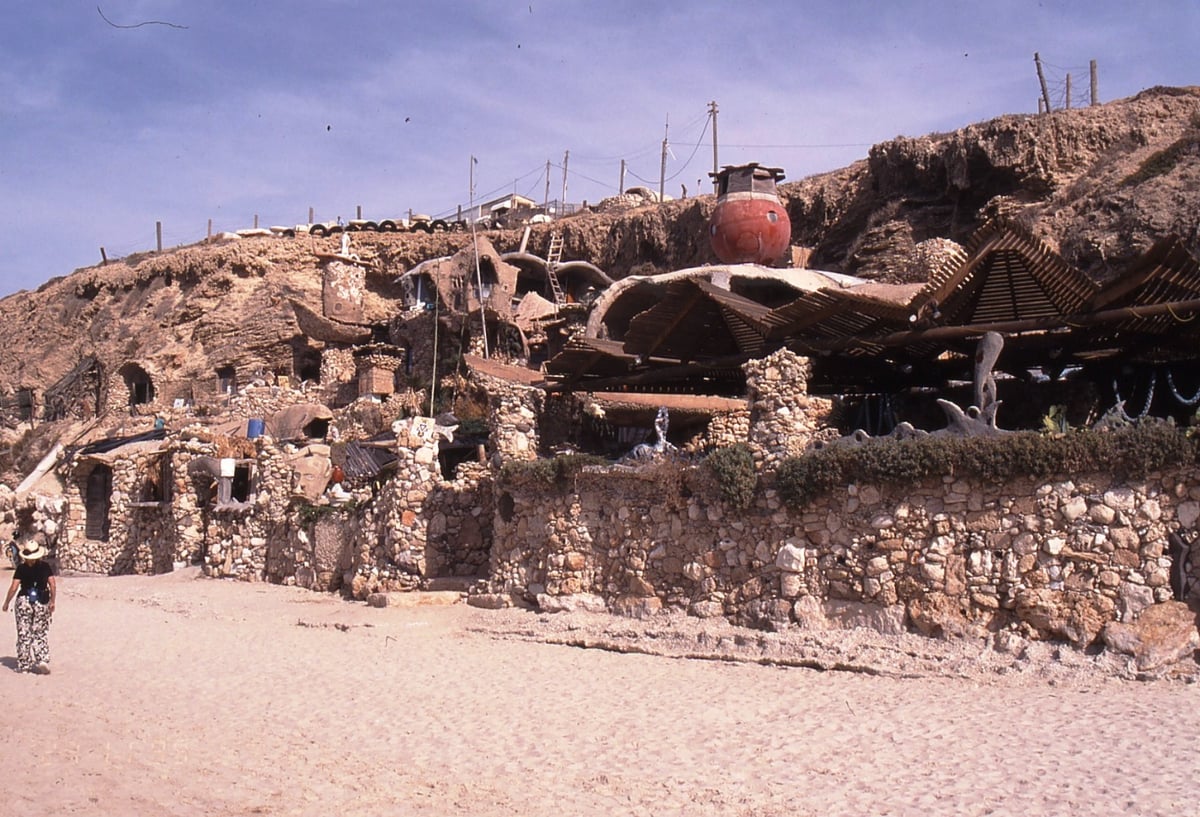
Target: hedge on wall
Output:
[(1129, 452), (560, 470)]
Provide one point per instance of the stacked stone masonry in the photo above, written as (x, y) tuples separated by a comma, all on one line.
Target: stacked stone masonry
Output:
[(955, 556), (950, 557)]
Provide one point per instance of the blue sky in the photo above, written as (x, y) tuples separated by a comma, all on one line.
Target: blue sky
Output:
[(241, 108)]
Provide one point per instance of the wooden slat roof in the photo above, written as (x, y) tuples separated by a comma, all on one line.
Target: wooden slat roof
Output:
[(1007, 281), (1008, 275)]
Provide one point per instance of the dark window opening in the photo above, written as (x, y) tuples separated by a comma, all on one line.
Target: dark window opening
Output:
[(156, 487), (317, 430), (25, 404), (452, 456), (141, 389), (487, 277), (235, 489), (98, 503), (227, 380), (241, 484), (306, 363), (506, 506)]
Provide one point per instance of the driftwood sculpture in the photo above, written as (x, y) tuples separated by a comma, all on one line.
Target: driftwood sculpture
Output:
[(660, 447), (978, 420)]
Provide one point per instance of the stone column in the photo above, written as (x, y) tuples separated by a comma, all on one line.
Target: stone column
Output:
[(783, 417)]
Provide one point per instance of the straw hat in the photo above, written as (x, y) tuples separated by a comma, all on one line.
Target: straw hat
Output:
[(32, 550)]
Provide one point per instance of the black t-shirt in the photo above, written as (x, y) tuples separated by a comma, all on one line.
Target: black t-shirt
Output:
[(35, 579)]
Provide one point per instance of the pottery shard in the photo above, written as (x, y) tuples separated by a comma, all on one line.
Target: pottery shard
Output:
[(1063, 615), (1165, 633)]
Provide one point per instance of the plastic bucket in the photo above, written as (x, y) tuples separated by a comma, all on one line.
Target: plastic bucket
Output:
[(254, 427)]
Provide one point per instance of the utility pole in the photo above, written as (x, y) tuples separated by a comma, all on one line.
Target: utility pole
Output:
[(1095, 84), (621, 183), (712, 110), (470, 190), (562, 205), (1068, 91), (1042, 79), (662, 168), (546, 197)]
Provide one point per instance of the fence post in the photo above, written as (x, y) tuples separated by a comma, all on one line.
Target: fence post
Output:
[(1037, 60)]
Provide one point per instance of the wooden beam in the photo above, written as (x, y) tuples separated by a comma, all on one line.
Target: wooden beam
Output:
[(942, 333)]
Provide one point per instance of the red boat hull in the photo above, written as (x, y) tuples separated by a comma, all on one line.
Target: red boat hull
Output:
[(749, 228)]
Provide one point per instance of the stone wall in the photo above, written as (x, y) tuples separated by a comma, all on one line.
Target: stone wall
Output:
[(1054, 559)]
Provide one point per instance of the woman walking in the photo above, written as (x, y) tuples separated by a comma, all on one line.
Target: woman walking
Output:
[(33, 585)]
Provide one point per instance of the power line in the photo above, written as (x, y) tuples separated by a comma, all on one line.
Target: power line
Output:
[(795, 147)]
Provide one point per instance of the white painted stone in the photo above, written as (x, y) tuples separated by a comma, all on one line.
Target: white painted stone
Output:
[(791, 558)]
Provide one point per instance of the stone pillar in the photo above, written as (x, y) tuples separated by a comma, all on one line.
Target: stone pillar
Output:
[(783, 417), (376, 372), (396, 559), (513, 420)]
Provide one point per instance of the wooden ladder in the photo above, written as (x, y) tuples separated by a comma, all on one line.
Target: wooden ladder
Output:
[(553, 258)]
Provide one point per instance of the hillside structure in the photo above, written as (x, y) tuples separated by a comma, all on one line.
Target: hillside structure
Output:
[(535, 431)]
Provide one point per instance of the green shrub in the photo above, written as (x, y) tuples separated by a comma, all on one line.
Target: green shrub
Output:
[(734, 468), (560, 470), (1130, 452)]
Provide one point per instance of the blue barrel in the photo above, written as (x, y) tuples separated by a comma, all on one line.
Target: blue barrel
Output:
[(254, 427)]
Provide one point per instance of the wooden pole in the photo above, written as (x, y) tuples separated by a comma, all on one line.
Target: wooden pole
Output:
[(103, 257), (546, 195), (562, 206), (712, 107), (256, 221), (621, 183), (1037, 60), (357, 213), (662, 167), (310, 215), (208, 236), (158, 234), (1068, 91), (1095, 84)]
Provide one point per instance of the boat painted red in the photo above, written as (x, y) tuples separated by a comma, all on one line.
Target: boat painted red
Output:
[(749, 224)]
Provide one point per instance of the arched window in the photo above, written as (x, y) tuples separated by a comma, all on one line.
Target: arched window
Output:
[(141, 388)]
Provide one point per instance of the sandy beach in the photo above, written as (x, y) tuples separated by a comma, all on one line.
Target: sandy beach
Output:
[(178, 695)]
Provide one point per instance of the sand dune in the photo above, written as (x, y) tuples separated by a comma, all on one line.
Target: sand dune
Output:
[(174, 695)]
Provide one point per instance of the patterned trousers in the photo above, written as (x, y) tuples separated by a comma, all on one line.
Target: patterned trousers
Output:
[(33, 625)]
